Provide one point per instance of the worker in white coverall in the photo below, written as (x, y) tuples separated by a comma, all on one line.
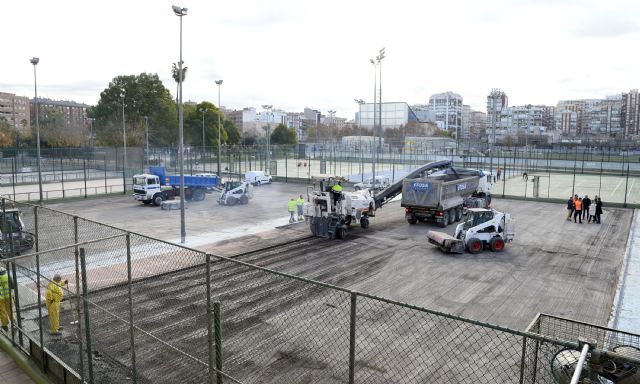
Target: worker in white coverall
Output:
[(54, 297)]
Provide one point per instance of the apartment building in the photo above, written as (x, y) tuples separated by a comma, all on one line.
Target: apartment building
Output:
[(16, 110), (448, 108)]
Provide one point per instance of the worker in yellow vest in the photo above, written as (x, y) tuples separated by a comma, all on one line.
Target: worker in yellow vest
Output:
[(337, 193), (5, 302), (291, 207), (299, 204), (54, 297)]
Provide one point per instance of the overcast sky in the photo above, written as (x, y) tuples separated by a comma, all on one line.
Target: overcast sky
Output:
[(295, 54)]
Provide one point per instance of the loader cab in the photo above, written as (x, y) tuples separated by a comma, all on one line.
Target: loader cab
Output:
[(11, 221), (476, 217)]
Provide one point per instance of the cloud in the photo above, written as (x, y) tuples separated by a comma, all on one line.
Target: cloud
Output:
[(607, 28)]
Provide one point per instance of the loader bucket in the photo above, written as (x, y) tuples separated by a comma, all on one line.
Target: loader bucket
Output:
[(445, 242)]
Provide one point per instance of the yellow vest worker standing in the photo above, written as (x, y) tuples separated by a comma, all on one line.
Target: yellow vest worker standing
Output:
[(337, 193), (291, 207), (5, 302), (54, 297), (299, 204)]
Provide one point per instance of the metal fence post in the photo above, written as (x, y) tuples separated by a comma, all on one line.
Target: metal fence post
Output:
[(210, 340), (522, 361), (17, 297), (352, 339), (218, 341), (40, 330), (84, 163), (79, 311), (87, 323), (626, 187), (61, 176), (131, 326)]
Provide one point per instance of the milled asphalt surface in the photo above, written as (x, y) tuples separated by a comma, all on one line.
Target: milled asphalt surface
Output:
[(553, 266)]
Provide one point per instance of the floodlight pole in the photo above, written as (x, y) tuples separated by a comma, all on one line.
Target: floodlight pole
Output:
[(183, 232), (35, 62)]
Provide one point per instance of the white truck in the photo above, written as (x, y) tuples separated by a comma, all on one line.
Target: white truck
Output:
[(381, 183), (257, 178)]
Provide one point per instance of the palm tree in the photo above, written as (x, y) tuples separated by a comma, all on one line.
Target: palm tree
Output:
[(175, 73)]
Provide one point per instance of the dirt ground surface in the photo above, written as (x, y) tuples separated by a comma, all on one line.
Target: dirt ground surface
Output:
[(276, 329)]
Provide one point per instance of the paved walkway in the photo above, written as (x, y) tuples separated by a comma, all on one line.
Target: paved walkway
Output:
[(10, 373)]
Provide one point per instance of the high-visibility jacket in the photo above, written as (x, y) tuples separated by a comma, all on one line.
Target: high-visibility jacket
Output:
[(4, 286), (578, 204), (337, 188), (291, 206), (300, 201), (55, 292)]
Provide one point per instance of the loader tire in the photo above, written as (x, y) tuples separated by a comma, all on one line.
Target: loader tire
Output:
[(341, 233), (474, 245), (364, 222), (497, 244), (231, 200), (244, 199)]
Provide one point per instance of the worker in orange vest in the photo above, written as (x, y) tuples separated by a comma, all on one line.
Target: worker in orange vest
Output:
[(578, 211)]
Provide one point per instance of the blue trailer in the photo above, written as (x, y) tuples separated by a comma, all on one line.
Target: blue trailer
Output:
[(156, 186)]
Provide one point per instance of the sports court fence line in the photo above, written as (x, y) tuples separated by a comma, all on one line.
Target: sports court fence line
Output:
[(553, 173), (147, 311)]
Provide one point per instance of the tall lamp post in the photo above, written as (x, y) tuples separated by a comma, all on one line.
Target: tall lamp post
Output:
[(35, 62), (124, 143), (377, 62), (360, 102), (183, 232), (219, 83), (146, 137), (268, 108), (203, 111)]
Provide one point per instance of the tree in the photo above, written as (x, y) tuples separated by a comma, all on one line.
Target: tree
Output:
[(175, 73), (284, 135), (193, 124), (57, 131), (6, 133), (233, 134), (145, 95)]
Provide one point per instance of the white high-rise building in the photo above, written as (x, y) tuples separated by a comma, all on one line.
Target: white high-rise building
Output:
[(448, 108)]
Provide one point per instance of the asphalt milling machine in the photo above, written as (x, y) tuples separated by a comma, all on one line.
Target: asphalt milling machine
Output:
[(14, 239), (330, 214)]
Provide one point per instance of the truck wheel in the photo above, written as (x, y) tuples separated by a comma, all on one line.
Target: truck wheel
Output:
[(474, 245), (445, 219), (157, 200), (244, 199), (341, 233), (364, 222), (412, 220), (198, 195), (458, 213), (452, 216), (231, 200), (497, 244)]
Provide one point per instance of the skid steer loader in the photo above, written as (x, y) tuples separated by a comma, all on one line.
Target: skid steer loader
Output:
[(481, 228)]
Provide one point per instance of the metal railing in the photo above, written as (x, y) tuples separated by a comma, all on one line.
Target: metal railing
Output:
[(144, 310), (608, 172)]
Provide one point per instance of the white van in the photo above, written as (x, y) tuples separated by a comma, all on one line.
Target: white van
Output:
[(382, 182), (257, 178)]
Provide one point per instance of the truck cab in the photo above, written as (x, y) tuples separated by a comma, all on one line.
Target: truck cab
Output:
[(146, 187)]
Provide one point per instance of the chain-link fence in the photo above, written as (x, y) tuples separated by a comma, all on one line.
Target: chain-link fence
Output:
[(142, 310), (553, 173)]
